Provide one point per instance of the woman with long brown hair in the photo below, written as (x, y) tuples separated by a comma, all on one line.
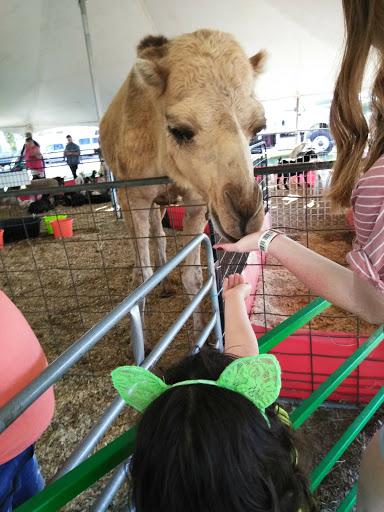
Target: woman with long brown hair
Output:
[(356, 182)]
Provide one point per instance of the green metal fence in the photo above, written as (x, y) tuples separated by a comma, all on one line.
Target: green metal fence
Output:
[(62, 491)]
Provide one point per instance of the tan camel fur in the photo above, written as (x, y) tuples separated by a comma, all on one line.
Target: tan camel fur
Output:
[(186, 110)]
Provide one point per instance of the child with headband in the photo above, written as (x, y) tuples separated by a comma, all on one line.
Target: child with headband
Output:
[(211, 437)]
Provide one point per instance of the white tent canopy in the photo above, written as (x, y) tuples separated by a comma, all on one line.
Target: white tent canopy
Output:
[(45, 79)]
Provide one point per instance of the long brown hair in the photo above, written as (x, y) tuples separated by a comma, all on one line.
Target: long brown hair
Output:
[(364, 26)]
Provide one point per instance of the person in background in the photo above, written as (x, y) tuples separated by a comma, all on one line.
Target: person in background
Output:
[(72, 154), (99, 152), (21, 360), (28, 135), (33, 159)]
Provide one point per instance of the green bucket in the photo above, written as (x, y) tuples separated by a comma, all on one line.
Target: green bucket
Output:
[(48, 219)]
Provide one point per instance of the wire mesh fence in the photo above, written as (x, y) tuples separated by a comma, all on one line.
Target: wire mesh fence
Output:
[(65, 285), (297, 207)]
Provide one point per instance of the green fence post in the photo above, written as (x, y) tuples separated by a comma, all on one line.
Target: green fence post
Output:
[(63, 490), (300, 414), (349, 501), (279, 333), (321, 471)]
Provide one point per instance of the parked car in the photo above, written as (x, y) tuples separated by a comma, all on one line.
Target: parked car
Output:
[(287, 126), (54, 154), (87, 148)]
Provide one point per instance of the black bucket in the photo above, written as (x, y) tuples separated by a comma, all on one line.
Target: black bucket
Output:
[(20, 229)]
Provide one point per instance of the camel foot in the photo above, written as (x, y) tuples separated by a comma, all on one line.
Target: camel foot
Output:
[(147, 350), (167, 291)]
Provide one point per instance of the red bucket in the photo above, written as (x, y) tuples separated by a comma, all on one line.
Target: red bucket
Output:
[(62, 227), (1, 238)]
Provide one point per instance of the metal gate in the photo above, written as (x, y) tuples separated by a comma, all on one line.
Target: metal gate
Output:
[(15, 407)]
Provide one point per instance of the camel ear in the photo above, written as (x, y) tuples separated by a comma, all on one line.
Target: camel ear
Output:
[(152, 74), (258, 62)]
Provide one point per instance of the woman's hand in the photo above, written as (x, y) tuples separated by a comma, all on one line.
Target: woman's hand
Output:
[(246, 244), (234, 286), (36, 154)]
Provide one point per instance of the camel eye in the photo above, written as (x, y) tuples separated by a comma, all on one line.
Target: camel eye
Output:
[(181, 134)]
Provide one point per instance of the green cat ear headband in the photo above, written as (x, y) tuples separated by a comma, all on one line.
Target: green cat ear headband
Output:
[(257, 378)]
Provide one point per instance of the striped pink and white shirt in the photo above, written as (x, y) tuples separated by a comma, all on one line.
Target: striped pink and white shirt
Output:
[(367, 255)]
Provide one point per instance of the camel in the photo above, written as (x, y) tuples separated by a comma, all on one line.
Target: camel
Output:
[(187, 110)]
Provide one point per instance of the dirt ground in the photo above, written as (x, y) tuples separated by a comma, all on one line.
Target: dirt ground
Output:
[(64, 287)]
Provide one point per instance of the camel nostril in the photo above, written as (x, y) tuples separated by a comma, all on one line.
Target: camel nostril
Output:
[(255, 223), (238, 212), (230, 204)]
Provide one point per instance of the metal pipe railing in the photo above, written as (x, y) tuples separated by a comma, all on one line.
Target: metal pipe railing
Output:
[(89, 442), (92, 438), (83, 449), (15, 407), (162, 180), (114, 484), (204, 335)]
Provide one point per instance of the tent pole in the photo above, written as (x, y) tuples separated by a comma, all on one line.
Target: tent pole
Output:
[(298, 138), (95, 88), (88, 45)]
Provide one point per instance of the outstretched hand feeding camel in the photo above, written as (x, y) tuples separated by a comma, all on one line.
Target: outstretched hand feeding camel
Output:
[(186, 110)]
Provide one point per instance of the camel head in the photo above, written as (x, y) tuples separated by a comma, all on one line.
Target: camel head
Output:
[(202, 89)]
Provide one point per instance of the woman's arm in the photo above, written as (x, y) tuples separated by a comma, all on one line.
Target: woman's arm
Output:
[(36, 153), (240, 339), (335, 283)]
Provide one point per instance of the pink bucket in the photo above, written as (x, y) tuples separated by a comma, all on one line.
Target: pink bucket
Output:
[(62, 227)]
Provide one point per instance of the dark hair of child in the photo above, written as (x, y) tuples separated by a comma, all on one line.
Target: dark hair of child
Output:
[(202, 448)]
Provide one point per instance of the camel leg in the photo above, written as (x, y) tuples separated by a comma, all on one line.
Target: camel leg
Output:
[(136, 211), (192, 276), (160, 241)]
